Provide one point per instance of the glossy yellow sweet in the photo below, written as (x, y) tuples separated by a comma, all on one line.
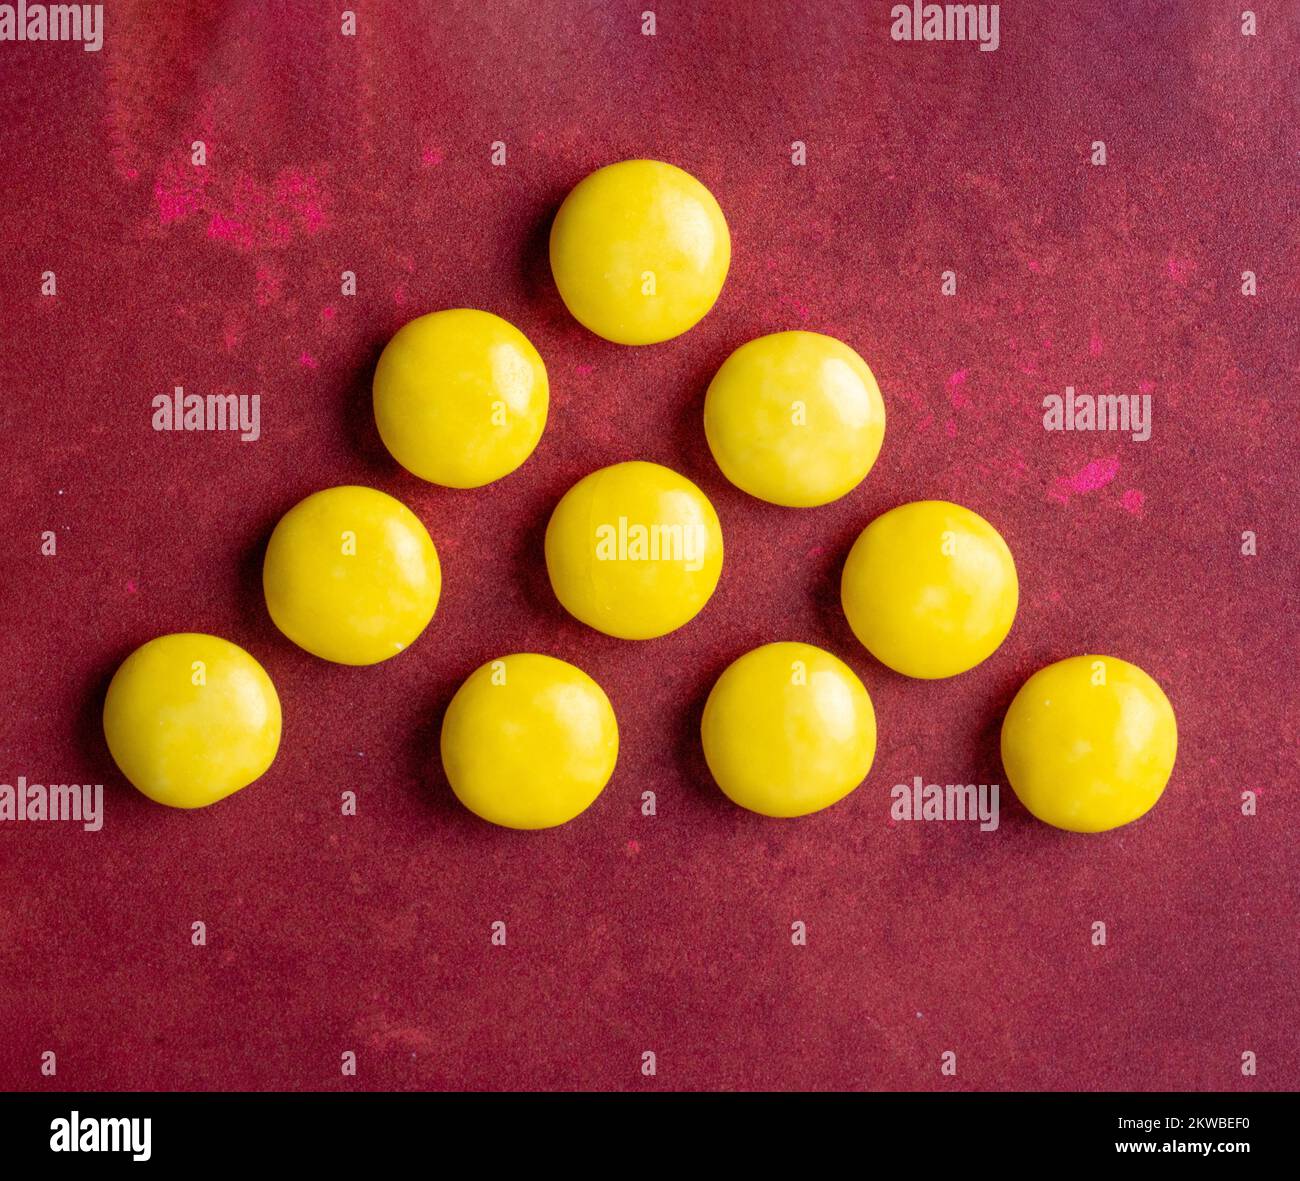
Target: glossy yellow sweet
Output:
[(788, 729), (529, 741), (1089, 743), (794, 418), (930, 589), (351, 575), (639, 251), (460, 397), (634, 550), (191, 718)]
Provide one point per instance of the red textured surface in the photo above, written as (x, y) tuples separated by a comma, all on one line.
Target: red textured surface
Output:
[(669, 933)]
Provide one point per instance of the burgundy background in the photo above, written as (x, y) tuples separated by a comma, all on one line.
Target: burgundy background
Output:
[(670, 933)]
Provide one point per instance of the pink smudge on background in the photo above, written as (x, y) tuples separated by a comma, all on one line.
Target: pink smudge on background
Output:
[(950, 428), (1133, 500), (241, 211), (584, 370), (328, 313), (308, 361), (1095, 345), (178, 194), (430, 156), (1146, 387), (633, 848), (956, 390), (1033, 264), (1180, 269), (132, 586), (1089, 478)]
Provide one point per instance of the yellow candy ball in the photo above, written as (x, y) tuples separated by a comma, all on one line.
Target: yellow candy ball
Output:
[(930, 589), (1089, 743), (351, 575), (794, 418), (634, 550), (639, 251), (788, 729), (460, 397), (190, 719), (529, 741)]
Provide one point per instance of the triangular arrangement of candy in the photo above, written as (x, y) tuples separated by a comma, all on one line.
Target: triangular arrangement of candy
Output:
[(639, 252)]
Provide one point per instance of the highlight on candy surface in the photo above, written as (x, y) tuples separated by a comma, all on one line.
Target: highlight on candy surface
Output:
[(794, 418), (930, 589), (788, 729), (351, 575), (191, 718), (639, 251), (634, 550), (1089, 743), (460, 397), (529, 741)]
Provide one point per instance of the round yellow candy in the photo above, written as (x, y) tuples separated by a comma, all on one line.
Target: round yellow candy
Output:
[(351, 575), (930, 589), (529, 741), (788, 729), (794, 418), (1089, 743), (639, 251), (460, 397), (191, 718), (634, 550)]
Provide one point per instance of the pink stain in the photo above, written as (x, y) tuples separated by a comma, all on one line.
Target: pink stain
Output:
[(430, 157), (1133, 500), (241, 211), (1095, 345), (1180, 269), (308, 361), (815, 552), (1033, 265), (956, 390), (950, 428), (633, 848), (178, 194), (1146, 387), (1097, 474), (132, 586), (399, 294), (328, 313), (584, 370)]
